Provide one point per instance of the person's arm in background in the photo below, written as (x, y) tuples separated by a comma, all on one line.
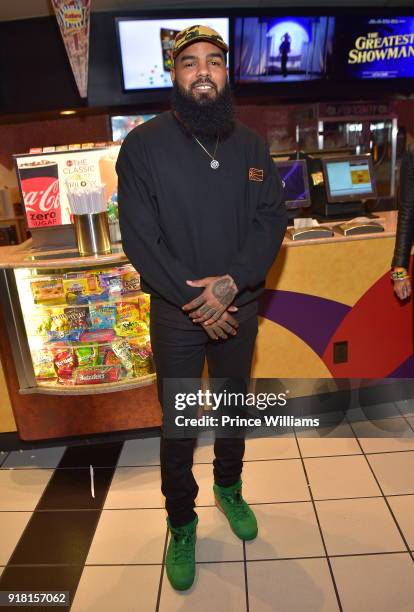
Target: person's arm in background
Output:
[(142, 238), (405, 228)]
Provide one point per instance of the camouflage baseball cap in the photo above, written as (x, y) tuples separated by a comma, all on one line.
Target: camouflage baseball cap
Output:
[(194, 34)]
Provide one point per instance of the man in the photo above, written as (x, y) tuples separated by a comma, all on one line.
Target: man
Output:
[(202, 220)]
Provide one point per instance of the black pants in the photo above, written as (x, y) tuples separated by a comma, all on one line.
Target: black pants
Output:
[(180, 352)]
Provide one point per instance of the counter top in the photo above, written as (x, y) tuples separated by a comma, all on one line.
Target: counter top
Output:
[(24, 256), (387, 218)]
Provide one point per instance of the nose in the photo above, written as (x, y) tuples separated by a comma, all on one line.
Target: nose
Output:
[(203, 69)]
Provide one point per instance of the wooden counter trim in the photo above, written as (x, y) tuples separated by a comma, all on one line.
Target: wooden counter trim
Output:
[(17, 256)]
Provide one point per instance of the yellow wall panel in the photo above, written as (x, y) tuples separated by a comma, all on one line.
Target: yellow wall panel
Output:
[(7, 422), (281, 354), (340, 271)]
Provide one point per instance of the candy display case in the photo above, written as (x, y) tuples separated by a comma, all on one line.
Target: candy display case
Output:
[(76, 325), (74, 343), (85, 328)]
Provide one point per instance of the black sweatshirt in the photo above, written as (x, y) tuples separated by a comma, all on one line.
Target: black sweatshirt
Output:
[(181, 220)]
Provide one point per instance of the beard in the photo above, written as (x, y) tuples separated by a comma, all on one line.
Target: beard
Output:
[(205, 117)]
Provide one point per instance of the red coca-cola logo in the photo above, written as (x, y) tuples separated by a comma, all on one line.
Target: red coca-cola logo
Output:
[(42, 201)]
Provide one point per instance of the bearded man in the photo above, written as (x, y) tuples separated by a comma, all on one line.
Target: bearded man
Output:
[(202, 219)]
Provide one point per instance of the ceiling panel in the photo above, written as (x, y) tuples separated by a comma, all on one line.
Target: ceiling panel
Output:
[(24, 9)]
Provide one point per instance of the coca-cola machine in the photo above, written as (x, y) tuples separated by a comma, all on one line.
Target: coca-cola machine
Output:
[(44, 179)]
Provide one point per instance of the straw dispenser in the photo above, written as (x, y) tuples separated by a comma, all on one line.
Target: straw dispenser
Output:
[(88, 206)]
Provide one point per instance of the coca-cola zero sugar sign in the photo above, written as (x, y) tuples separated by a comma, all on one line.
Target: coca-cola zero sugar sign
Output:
[(40, 188), (46, 177)]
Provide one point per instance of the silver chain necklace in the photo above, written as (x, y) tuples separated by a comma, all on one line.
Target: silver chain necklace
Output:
[(214, 163)]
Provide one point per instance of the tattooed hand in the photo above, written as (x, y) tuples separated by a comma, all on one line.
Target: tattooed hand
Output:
[(218, 294), (220, 330)]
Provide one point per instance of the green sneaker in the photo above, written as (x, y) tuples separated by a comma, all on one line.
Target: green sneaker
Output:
[(180, 560), (241, 518)]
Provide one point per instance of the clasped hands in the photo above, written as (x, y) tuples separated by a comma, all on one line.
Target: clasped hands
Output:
[(213, 306)]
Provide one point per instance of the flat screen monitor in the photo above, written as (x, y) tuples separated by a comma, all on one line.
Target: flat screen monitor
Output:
[(348, 179), (294, 176), (122, 124), (374, 47), (282, 49), (145, 46)]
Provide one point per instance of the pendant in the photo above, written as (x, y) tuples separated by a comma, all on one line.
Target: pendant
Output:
[(214, 164)]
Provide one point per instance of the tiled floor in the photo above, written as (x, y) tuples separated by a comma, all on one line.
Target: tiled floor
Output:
[(335, 513)]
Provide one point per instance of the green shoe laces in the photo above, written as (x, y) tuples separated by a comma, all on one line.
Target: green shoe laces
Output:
[(239, 506), (183, 546)]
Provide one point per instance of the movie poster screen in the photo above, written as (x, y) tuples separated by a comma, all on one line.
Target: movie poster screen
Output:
[(274, 49), (377, 48)]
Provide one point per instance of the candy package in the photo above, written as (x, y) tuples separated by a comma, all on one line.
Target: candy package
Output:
[(91, 298), (92, 282), (42, 323), (80, 289), (130, 280), (77, 317), (131, 328), (122, 351), (43, 364), (109, 357), (127, 311), (60, 325), (64, 336), (87, 355), (144, 307), (74, 287), (128, 321), (98, 335), (102, 316), (97, 375), (140, 342), (44, 291), (111, 282), (56, 327), (64, 362), (142, 360), (58, 320)]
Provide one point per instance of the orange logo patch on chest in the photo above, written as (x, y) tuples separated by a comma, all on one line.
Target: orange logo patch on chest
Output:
[(255, 174)]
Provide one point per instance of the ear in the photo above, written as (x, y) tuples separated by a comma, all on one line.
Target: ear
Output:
[(172, 74)]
